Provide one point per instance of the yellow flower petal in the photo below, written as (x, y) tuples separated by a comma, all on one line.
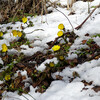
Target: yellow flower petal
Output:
[(14, 32), (7, 77), (61, 58), (1, 34), (24, 19), (19, 33), (4, 48), (60, 33), (55, 47), (51, 64), (61, 26)]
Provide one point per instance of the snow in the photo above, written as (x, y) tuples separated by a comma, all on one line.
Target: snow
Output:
[(1, 62), (42, 66), (91, 74), (47, 31), (31, 51)]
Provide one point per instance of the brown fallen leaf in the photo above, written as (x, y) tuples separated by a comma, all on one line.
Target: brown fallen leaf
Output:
[(20, 65), (75, 74), (96, 88), (86, 34), (84, 89), (23, 77), (86, 83), (58, 77), (97, 57), (84, 41)]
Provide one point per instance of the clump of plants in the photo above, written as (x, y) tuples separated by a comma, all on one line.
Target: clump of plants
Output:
[(62, 44), (58, 48), (17, 62), (9, 61)]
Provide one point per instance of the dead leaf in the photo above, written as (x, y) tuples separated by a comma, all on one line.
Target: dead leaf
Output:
[(87, 34), (58, 77), (20, 65), (23, 77), (75, 74), (96, 88), (86, 83), (84, 41)]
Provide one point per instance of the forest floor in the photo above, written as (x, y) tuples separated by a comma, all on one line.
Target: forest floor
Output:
[(31, 70)]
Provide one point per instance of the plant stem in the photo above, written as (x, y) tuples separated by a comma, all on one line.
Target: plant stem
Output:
[(31, 96), (67, 19), (78, 27), (63, 14), (25, 97)]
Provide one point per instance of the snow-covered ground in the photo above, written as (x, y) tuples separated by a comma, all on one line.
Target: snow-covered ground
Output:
[(89, 71)]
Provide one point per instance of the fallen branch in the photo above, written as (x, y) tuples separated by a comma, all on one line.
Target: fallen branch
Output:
[(67, 18), (35, 30), (93, 57), (53, 42), (71, 36), (63, 14), (78, 27)]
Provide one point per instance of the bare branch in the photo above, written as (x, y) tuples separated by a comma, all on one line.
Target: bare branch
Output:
[(63, 14), (78, 27)]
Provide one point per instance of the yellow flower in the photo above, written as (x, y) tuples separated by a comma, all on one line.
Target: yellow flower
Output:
[(61, 58), (7, 77), (61, 26), (14, 32), (55, 47), (51, 64), (24, 19), (4, 48), (35, 71), (19, 33), (1, 34), (60, 33)]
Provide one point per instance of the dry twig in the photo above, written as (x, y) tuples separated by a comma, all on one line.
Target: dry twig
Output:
[(78, 27), (63, 14)]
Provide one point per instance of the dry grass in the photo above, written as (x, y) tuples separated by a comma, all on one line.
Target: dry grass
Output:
[(10, 9)]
